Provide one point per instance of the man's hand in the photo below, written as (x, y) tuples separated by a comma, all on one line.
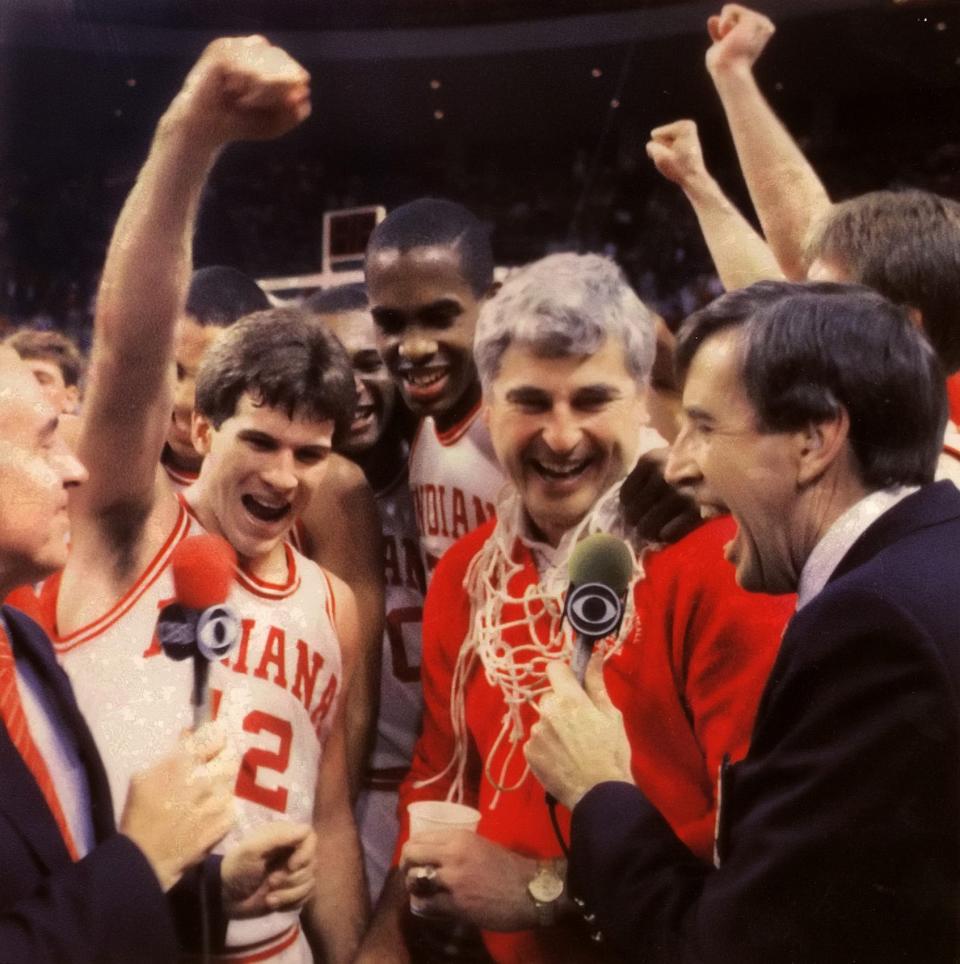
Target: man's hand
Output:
[(739, 36), (654, 508), (270, 869), (676, 153), (243, 88), (479, 881), (180, 808), (579, 740)]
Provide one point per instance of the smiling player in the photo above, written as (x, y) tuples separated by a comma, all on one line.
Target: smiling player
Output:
[(429, 269), (337, 528), (270, 393), (378, 440)]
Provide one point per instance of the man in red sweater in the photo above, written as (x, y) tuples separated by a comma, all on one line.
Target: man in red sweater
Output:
[(564, 352)]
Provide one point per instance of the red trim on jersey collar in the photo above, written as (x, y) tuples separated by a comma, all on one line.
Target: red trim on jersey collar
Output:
[(272, 590), (951, 451), (252, 583), (456, 432), (180, 476), (145, 580)]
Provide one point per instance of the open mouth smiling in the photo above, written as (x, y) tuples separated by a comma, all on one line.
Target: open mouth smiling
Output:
[(264, 511), (563, 472), (711, 510), (362, 415), (424, 377)]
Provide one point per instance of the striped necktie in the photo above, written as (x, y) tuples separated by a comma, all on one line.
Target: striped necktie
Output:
[(13, 717)]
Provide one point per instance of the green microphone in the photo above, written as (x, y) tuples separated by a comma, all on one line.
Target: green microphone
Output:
[(601, 567)]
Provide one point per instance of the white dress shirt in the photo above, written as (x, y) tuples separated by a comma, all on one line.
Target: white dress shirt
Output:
[(841, 536)]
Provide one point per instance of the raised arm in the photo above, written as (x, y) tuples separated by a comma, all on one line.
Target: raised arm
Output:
[(786, 192), (240, 89), (739, 254)]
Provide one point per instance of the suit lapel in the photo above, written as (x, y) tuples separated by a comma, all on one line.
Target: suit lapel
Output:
[(30, 641), (931, 505), (22, 801)]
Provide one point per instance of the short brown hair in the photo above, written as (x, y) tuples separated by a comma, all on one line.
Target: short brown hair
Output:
[(906, 245), (52, 346), (285, 358)]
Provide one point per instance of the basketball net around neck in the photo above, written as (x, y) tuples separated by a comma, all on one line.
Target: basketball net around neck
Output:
[(519, 669)]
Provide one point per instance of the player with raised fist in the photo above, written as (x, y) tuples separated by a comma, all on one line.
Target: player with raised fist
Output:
[(270, 393)]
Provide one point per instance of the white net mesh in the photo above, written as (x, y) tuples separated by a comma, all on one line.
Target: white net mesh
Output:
[(518, 668)]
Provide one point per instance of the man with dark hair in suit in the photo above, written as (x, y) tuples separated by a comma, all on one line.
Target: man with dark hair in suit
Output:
[(813, 414)]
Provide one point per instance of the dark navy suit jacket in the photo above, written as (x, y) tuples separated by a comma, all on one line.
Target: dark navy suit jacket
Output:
[(107, 906), (839, 834)]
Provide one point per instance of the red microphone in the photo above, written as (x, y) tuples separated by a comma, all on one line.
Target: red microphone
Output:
[(200, 623), (203, 569)]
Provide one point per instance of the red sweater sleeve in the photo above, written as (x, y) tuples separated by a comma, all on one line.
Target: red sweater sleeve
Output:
[(721, 642), (446, 617)]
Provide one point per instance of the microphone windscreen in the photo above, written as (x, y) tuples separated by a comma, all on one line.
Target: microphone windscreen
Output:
[(602, 558), (203, 569)]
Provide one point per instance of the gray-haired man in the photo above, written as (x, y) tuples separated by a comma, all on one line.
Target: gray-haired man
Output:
[(564, 352)]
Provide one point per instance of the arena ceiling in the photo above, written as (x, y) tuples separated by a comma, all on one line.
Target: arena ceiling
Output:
[(87, 78)]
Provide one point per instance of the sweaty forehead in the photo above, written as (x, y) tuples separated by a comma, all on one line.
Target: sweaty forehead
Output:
[(191, 340), (250, 415), (20, 396), (417, 276), (525, 366), (714, 381), (354, 329)]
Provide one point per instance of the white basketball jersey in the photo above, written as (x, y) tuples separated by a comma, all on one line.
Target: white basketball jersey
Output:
[(455, 479), (401, 703), (180, 479), (275, 693)]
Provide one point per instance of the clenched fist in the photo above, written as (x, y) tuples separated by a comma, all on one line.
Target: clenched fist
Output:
[(676, 153), (739, 36), (243, 88)]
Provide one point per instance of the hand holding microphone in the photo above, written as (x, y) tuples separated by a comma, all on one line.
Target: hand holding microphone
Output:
[(579, 740), (200, 624)]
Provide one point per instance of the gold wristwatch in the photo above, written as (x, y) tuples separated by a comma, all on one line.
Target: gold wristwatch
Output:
[(545, 891)]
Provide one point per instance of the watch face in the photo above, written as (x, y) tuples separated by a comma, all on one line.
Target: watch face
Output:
[(546, 887)]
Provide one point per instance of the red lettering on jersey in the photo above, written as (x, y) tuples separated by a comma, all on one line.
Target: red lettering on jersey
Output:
[(443, 512), (240, 664), (215, 697), (418, 506), (258, 758), (432, 514), (391, 561), (323, 707), (416, 577), (460, 525), (405, 669), (155, 649), (306, 677), (478, 511), (274, 652)]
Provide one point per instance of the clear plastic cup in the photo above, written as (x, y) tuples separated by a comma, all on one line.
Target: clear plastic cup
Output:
[(428, 815)]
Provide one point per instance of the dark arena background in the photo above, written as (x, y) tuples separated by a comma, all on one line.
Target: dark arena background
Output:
[(533, 113)]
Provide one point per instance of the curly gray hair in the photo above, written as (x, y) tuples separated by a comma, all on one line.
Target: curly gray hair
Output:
[(565, 305)]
